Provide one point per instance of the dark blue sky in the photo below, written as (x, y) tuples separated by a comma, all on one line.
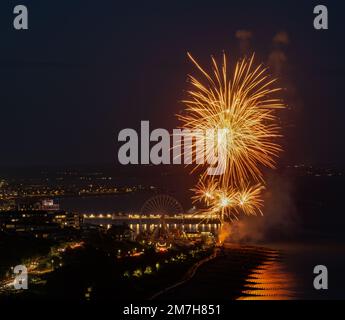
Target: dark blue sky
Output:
[(86, 69)]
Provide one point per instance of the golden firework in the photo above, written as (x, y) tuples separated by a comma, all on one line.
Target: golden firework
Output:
[(242, 104), (204, 192), (227, 203), (249, 200), (224, 203)]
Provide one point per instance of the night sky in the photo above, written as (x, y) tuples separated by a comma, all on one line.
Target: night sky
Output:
[(87, 69)]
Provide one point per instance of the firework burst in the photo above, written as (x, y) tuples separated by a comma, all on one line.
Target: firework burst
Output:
[(227, 203), (243, 105), (249, 200), (204, 192)]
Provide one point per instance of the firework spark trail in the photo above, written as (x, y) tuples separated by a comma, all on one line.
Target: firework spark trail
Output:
[(242, 104)]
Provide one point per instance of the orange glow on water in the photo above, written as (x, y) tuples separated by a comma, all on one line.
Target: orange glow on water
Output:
[(270, 281)]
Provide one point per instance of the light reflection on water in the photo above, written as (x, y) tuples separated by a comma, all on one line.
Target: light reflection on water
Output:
[(270, 281)]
